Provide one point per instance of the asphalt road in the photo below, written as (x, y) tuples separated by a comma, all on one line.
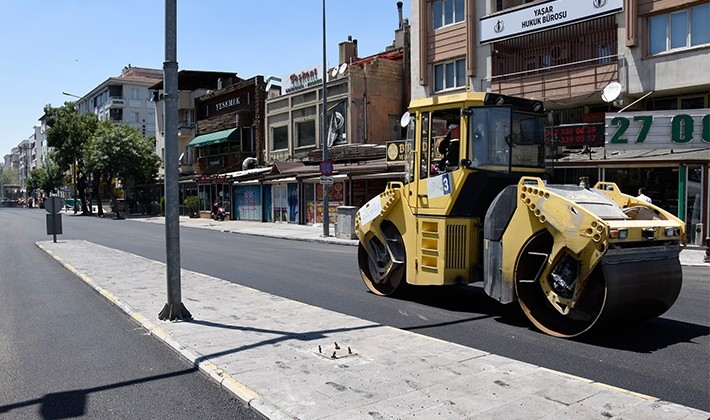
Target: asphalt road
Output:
[(65, 352), (667, 357)]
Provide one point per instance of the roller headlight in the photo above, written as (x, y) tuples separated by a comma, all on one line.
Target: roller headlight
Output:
[(619, 233), (672, 231)]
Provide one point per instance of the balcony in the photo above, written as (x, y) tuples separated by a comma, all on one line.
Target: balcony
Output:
[(558, 83), (186, 129), (568, 62)]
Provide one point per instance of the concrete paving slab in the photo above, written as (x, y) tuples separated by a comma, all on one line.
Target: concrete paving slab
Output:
[(264, 349)]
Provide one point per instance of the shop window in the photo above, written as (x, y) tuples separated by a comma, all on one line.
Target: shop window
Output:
[(280, 138), (662, 104), (692, 103), (306, 133), (680, 29), (688, 102), (447, 12), (450, 75)]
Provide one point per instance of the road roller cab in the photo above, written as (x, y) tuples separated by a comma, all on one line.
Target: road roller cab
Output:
[(474, 207)]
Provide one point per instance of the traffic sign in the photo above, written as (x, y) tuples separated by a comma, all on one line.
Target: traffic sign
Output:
[(326, 180), (326, 168), (53, 204)]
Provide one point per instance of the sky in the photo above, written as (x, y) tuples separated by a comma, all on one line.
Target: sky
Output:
[(55, 46)]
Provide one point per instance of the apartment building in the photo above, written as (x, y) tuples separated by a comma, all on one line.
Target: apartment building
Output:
[(619, 78), (125, 98)]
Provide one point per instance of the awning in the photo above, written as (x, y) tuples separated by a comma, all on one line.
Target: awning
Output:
[(214, 138)]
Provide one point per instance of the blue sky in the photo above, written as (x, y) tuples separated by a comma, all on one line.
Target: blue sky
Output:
[(51, 46)]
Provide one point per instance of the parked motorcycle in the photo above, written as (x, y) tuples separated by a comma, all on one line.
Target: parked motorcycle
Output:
[(218, 212)]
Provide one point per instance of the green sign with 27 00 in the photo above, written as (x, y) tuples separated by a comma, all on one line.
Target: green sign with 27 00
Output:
[(675, 129)]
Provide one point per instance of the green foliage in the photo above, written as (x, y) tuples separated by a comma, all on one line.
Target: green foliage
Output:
[(35, 179), (48, 178), (192, 203), (68, 133), (119, 151), (10, 177)]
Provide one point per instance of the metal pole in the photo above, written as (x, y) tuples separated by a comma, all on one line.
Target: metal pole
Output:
[(174, 309), (73, 179), (324, 134)]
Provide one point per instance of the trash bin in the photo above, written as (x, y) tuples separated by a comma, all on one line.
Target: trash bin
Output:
[(345, 228)]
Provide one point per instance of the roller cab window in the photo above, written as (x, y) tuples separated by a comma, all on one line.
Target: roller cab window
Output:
[(501, 139)]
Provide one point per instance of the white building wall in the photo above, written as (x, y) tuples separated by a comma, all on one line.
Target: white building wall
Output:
[(671, 72)]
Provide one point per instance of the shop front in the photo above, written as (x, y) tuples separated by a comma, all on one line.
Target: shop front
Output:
[(214, 189), (248, 201), (666, 152)]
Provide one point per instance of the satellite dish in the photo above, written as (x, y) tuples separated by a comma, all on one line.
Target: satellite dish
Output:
[(342, 68), (333, 72), (611, 92), (406, 118)]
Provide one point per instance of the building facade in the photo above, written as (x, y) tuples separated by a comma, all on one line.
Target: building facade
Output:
[(125, 98), (230, 137), (606, 71), (365, 98)]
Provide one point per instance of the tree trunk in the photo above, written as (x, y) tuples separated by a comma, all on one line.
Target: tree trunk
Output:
[(112, 197), (81, 183), (96, 191)]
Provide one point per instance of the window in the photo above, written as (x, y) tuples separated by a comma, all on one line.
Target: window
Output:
[(306, 133), (135, 117), (135, 94), (682, 29), (280, 136), (446, 12), (449, 75)]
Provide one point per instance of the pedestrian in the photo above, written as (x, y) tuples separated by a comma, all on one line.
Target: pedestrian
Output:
[(643, 197)]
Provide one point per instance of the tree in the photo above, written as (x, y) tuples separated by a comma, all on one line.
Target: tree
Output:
[(10, 177), (68, 133), (118, 151), (48, 178)]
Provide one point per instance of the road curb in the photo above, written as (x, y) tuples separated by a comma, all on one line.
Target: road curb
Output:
[(207, 368)]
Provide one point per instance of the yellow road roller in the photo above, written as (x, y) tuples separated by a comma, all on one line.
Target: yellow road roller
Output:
[(474, 207)]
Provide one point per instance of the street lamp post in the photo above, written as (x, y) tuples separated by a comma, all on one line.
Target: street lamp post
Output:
[(324, 134), (174, 309)]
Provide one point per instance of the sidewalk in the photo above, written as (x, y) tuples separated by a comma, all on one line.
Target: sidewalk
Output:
[(291, 360)]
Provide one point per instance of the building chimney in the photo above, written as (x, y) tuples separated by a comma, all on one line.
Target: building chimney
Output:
[(399, 11), (348, 50)]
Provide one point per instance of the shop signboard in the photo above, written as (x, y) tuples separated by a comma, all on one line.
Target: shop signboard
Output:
[(671, 129), (398, 150), (541, 16), (302, 79)]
